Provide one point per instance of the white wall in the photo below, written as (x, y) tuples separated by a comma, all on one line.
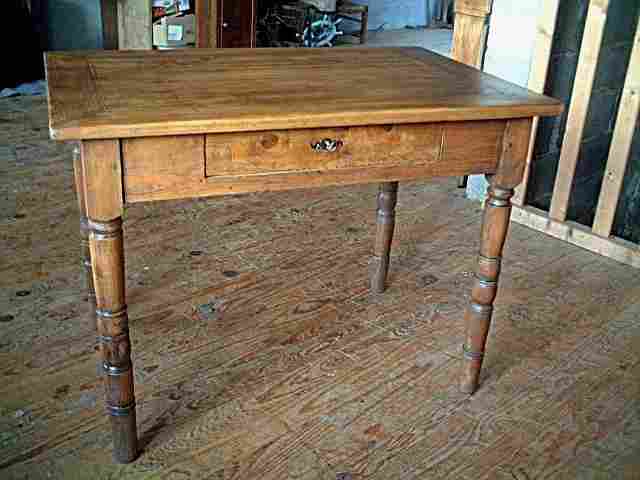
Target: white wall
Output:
[(511, 39), (509, 52)]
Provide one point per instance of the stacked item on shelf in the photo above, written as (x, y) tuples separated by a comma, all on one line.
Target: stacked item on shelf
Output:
[(174, 24)]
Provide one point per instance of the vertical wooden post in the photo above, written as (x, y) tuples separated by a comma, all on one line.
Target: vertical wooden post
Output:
[(538, 78), (386, 221), (620, 144), (495, 224), (102, 182), (577, 116)]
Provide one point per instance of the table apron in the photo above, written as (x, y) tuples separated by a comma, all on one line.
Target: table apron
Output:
[(184, 166)]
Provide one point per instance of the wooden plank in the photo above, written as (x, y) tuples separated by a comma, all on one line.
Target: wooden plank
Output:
[(135, 25), (109, 15), (400, 145), (537, 79), (270, 89), (615, 248), (585, 74), (620, 144), (102, 179)]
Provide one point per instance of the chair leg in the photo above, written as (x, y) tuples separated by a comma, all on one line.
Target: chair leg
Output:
[(386, 220)]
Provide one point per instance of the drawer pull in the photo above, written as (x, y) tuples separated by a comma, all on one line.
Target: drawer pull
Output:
[(327, 145)]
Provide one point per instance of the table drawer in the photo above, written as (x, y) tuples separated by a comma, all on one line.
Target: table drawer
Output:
[(273, 152), (157, 168)]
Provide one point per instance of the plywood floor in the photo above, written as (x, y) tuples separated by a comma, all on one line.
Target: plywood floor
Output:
[(260, 353)]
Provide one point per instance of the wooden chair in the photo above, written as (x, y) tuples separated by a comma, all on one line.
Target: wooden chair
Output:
[(470, 30)]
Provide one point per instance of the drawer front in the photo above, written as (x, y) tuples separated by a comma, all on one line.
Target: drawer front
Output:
[(455, 146)]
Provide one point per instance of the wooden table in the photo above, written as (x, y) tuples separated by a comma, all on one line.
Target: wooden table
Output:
[(196, 123)]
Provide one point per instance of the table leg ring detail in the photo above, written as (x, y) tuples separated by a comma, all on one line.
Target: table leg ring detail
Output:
[(117, 370), (121, 337), (121, 411), (105, 230), (488, 267), (111, 314), (469, 355), (481, 311)]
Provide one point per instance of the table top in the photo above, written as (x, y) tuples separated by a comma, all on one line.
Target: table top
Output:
[(118, 94)]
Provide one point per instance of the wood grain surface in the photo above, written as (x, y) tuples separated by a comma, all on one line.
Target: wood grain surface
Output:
[(260, 352), (132, 94)]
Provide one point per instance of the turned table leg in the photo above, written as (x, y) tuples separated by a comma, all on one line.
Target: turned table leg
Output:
[(478, 314), (386, 220), (102, 185), (477, 318), (113, 335)]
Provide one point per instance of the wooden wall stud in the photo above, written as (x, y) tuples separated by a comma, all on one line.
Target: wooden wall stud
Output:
[(579, 107), (621, 143), (546, 28)]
